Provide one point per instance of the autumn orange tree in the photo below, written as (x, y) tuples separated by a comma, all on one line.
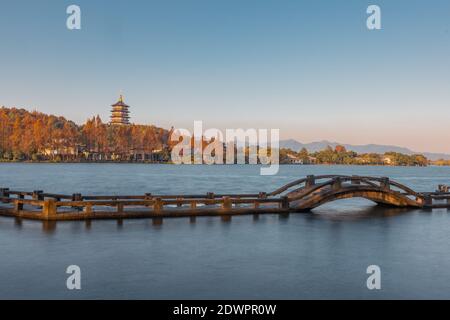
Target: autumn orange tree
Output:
[(33, 135)]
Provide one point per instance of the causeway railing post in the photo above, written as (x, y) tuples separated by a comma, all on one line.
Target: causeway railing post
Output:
[(337, 184), (385, 184), (284, 202), (227, 204), (88, 209), (77, 197), (49, 209), (310, 181), (18, 204), (148, 197), (427, 200), (38, 195), (158, 206), (4, 193)]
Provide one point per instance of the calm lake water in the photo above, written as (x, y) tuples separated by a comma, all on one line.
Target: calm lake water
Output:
[(323, 254)]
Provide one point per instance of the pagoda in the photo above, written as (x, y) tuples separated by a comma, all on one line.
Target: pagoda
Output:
[(119, 113)]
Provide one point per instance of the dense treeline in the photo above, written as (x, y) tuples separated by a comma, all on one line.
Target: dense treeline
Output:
[(441, 162), (36, 136), (340, 155)]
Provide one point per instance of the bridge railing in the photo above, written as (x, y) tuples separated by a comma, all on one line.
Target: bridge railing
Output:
[(40, 205), (313, 183), (298, 183)]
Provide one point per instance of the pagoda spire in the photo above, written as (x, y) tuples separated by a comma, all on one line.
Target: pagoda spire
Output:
[(120, 115)]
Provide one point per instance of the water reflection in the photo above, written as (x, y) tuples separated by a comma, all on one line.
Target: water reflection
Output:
[(359, 213), (157, 222), (284, 216), (321, 254), (226, 218), (329, 213), (49, 227), (18, 222)]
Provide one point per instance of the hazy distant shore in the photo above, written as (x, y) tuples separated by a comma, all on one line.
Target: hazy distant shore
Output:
[(171, 163)]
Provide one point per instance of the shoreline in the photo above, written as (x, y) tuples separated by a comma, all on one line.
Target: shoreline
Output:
[(224, 164)]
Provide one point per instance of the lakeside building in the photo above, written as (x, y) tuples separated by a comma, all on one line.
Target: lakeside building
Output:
[(120, 115), (295, 159)]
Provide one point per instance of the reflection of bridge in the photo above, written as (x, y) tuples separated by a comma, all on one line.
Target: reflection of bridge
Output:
[(301, 195)]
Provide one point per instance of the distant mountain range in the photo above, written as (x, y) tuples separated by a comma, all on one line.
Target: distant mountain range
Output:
[(368, 148)]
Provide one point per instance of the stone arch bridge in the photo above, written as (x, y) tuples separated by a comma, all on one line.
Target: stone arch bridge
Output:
[(313, 191)]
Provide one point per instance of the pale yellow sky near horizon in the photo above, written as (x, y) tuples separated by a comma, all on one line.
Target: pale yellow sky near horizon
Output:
[(420, 139)]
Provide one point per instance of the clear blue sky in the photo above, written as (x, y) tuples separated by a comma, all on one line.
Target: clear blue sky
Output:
[(310, 68)]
